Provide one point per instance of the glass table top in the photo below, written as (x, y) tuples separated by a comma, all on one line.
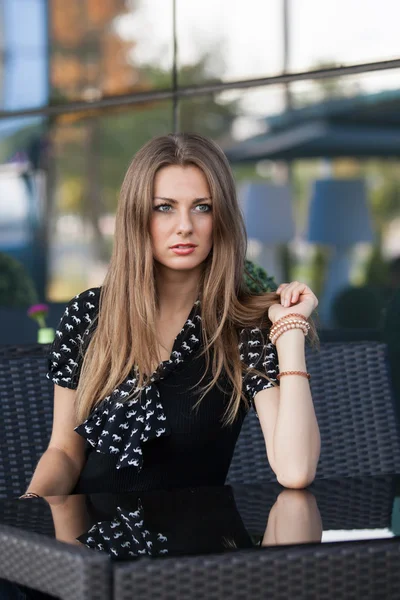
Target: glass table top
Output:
[(198, 521)]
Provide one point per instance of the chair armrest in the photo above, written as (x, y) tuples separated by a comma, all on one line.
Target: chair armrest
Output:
[(50, 566), (331, 571)]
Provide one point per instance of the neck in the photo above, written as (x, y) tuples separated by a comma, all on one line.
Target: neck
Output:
[(176, 290)]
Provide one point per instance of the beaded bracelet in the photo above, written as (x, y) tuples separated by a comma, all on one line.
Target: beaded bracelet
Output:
[(293, 315), (301, 373), (277, 332), (290, 316), (275, 339), (288, 322), (274, 335), (289, 319)]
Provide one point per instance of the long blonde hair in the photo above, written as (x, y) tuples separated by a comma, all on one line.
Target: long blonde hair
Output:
[(125, 334)]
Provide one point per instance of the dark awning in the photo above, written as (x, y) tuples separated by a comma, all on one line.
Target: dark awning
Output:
[(362, 126)]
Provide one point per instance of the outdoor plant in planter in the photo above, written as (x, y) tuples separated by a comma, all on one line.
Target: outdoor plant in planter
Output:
[(38, 312), (17, 291)]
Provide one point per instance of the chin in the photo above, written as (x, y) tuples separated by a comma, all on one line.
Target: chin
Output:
[(181, 265), (184, 266)]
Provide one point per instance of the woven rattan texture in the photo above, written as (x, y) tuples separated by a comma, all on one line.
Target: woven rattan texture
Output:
[(351, 392), (25, 350), (67, 572), (30, 515), (26, 404), (343, 504), (359, 570), (354, 407)]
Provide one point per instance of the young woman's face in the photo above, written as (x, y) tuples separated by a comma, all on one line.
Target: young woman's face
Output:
[(182, 215)]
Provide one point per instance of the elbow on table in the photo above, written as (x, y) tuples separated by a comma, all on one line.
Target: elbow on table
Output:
[(297, 480)]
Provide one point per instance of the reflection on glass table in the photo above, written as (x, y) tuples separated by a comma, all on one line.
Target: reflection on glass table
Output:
[(208, 520)]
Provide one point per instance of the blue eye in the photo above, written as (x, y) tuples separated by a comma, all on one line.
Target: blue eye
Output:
[(208, 208), (160, 206)]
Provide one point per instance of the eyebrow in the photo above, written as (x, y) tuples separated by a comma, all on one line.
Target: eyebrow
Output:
[(196, 201)]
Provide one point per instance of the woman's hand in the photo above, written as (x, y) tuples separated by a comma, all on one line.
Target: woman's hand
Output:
[(295, 297)]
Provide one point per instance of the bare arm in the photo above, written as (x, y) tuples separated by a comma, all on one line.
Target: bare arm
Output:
[(59, 467), (288, 420), (287, 413)]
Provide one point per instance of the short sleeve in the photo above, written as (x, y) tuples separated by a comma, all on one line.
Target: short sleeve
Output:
[(65, 356), (258, 352)]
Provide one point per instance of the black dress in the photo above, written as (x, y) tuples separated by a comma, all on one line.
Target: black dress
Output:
[(158, 440)]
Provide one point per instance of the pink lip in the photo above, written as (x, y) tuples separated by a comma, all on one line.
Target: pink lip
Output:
[(183, 251)]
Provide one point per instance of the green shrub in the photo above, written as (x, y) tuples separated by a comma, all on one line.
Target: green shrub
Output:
[(257, 279), (16, 287), (358, 307)]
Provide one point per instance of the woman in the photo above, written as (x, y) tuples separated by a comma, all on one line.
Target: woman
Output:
[(155, 370)]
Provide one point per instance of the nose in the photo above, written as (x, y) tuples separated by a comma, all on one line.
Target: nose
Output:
[(185, 226)]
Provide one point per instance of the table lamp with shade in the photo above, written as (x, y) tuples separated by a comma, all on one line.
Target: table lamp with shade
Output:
[(338, 217), (268, 216)]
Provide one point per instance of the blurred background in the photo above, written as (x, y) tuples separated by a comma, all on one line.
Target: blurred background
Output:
[(302, 95)]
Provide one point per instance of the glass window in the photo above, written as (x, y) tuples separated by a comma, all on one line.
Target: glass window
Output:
[(231, 118), (89, 160), (255, 129), (342, 32), (23, 150), (326, 120), (108, 48), (227, 41), (304, 93), (232, 115), (23, 54)]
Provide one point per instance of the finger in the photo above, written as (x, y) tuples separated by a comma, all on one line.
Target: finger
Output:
[(281, 287), (283, 293), (299, 289), (294, 292), (286, 295)]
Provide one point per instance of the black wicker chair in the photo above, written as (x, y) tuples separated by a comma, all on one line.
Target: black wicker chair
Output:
[(351, 392), (47, 565), (354, 406), (26, 400), (367, 570)]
